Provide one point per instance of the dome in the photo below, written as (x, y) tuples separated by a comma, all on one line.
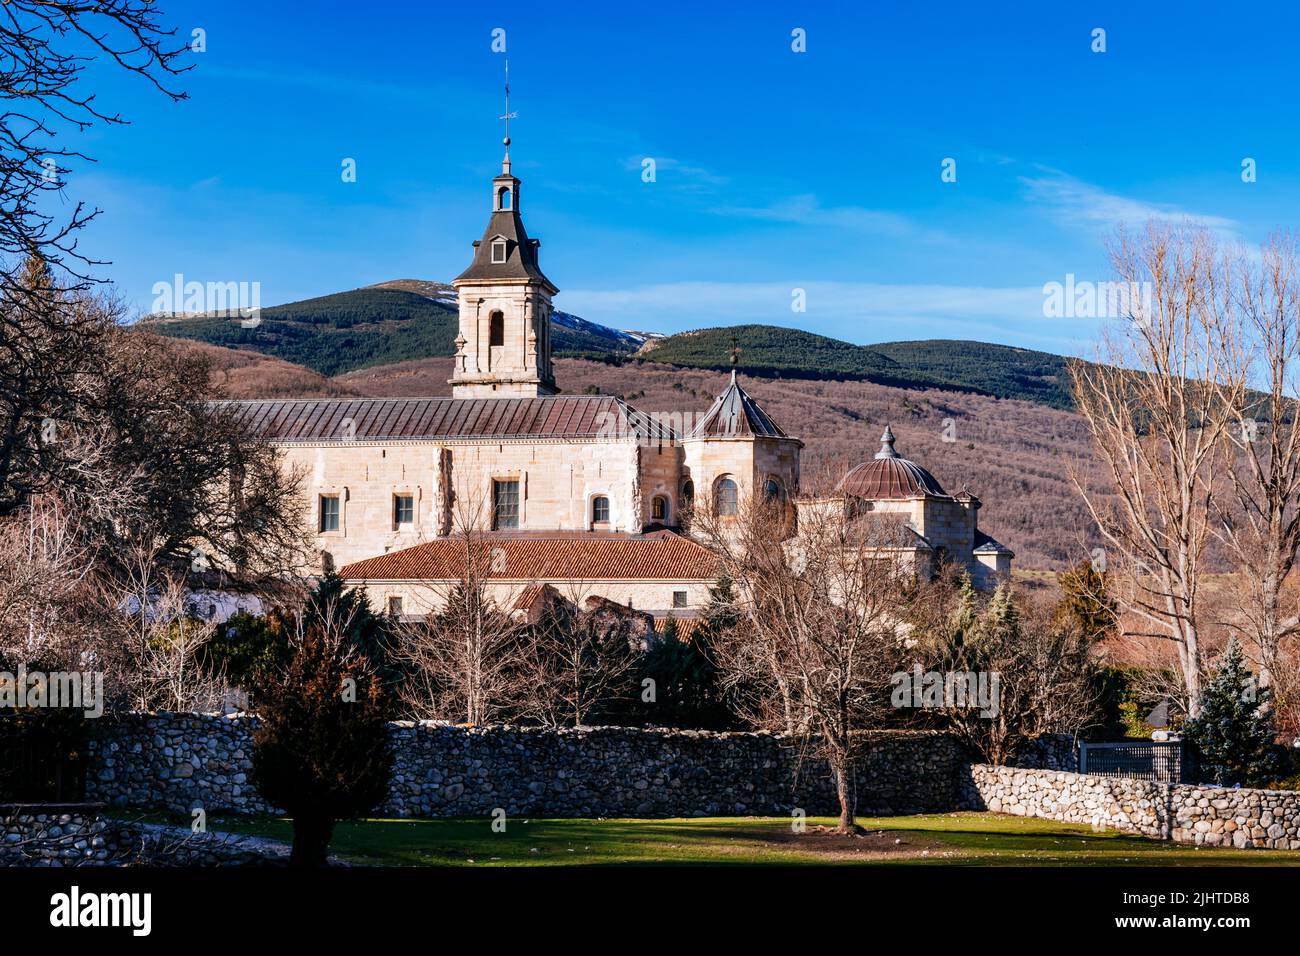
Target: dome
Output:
[(889, 475)]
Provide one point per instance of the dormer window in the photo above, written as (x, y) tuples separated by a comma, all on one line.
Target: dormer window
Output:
[(498, 250)]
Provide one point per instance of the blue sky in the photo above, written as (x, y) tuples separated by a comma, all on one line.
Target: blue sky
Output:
[(776, 170)]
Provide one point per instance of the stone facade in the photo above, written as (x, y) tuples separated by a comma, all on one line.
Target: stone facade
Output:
[(557, 480), (521, 363), (178, 762), (419, 598), (1210, 816), (945, 527), (747, 460)]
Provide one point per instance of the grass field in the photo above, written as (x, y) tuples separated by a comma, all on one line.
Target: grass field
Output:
[(949, 839)]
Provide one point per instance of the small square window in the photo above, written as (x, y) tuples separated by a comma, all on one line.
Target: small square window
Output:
[(498, 250), (679, 599), (403, 510), (329, 513), (394, 607)]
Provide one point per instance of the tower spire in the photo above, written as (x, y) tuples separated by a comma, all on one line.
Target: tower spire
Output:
[(507, 116), (735, 355)]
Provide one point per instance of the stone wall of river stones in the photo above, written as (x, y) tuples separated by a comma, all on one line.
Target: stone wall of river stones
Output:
[(1210, 816), (80, 835), (178, 762)]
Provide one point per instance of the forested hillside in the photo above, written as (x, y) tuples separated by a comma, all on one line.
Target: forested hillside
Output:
[(411, 319), (979, 367)]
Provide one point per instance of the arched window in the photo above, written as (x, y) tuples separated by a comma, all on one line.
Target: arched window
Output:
[(725, 498), (659, 508), (688, 492), (496, 329), (503, 198), (772, 490), (600, 510)]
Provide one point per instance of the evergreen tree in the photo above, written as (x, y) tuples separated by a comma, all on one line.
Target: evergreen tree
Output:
[(1233, 733), (1084, 600), (247, 649), (687, 689), (321, 751), (335, 606)]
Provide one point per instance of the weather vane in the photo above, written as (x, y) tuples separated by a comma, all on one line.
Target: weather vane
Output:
[(507, 115)]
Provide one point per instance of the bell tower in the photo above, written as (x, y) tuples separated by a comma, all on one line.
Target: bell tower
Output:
[(503, 348)]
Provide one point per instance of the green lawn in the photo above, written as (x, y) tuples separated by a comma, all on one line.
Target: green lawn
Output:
[(954, 839)]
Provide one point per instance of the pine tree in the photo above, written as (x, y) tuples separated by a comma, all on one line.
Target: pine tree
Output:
[(1233, 733), (1084, 600), (669, 635), (1000, 621)]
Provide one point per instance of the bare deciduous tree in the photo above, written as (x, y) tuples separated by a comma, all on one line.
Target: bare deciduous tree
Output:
[(820, 624), (1036, 663), (1259, 520), (579, 658), (465, 659), (46, 337), (163, 639), (1154, 405), (45, 572), (131, 445)]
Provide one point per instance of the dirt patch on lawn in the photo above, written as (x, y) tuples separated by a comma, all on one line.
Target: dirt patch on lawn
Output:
[(828, 846)]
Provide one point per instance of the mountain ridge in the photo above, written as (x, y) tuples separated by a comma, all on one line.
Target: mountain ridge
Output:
[(402, 320)]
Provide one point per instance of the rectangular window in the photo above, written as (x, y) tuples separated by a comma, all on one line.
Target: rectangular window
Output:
[(505, 504), (498, 251), (329, 513), (658, 509), (679, 599), (394, 607), (403, 510)]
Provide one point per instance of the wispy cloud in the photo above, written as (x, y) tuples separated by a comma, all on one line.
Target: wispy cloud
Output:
[(807, 210), (1081, 203)]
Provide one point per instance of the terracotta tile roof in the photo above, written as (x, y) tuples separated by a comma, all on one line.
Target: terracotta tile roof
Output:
[(378, 419), (686, 626), (654, 557), (735, 415)]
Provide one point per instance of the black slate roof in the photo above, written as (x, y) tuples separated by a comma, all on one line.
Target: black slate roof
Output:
[(521, 251), (377, 419), (735, 415)]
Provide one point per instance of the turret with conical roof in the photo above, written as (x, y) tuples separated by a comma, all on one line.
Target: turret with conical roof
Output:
[(737, 449)]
